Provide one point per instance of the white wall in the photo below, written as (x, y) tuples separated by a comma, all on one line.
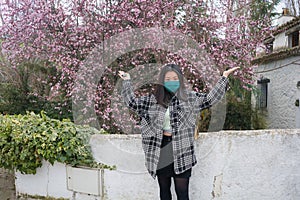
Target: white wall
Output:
[(281, 41), (239, 165), (298, 109), (48, 181), (282, 91), (253, 165)]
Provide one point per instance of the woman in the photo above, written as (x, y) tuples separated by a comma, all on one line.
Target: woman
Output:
[(168, 118)]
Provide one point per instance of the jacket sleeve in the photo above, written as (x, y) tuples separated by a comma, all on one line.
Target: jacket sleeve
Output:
[(138, 105), (205, 100), (129, 96)]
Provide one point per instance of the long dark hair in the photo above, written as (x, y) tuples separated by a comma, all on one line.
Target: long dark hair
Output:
[(162, 95)]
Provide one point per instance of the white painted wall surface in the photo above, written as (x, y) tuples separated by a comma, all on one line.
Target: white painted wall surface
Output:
[(281, 41), (232, 165), (48, 181), (298, 109), (282, 91), (255, 165)]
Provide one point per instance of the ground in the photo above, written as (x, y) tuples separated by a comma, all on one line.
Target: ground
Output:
[(7, 186)]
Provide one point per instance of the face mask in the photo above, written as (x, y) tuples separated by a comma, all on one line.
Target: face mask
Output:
[(172, 86)]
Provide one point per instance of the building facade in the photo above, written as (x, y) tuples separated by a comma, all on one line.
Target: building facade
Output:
[(278, 75)]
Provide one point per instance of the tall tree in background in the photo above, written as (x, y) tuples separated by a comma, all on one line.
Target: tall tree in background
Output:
[(264, 9), (240, 113), (293, 6)]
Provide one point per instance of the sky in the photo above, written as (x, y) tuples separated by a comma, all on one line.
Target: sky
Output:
[(278, 9), (280, 6)]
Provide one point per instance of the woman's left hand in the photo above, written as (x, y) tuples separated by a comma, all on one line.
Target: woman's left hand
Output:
[(229, 71)]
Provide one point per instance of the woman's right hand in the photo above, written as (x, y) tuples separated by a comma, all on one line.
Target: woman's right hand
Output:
[(229, 71), (124, 75)]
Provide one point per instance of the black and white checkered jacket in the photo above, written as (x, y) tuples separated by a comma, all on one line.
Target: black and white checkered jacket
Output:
[(183, 118)]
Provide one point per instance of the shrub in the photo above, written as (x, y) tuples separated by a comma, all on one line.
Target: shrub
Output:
[(240, 115), (27, 140)]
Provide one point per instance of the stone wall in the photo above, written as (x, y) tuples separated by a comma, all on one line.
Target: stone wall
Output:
[(231, 165), (239, 165)]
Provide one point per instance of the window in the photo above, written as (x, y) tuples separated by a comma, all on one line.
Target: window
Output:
[(293, 39), (263, 96), (269, 44), (269, 47)]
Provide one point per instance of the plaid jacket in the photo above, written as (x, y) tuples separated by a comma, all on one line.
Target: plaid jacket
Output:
[(183, 119)]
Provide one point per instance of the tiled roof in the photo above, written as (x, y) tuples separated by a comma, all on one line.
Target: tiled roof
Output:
[(277, 55), (280, 54), (286, 26)]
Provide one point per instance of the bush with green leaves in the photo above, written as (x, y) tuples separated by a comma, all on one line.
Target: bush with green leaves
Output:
[(27, 140), (240, 114)]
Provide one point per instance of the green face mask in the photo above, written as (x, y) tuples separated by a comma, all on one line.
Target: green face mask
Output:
[(172, 86)]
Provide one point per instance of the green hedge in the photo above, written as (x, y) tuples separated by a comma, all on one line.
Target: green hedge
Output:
[(27, 140)]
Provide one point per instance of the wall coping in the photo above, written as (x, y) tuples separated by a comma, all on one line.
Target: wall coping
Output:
[(219, 133)]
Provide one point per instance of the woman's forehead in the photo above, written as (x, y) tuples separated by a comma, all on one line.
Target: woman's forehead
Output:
[(171, 73)]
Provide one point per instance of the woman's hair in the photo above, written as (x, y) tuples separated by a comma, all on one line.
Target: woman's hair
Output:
[(162, 95)]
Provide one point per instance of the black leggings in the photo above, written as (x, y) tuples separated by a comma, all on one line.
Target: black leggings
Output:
[(181, 187)]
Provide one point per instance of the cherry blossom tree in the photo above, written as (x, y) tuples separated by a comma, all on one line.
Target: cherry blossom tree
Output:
[(63, 33)]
